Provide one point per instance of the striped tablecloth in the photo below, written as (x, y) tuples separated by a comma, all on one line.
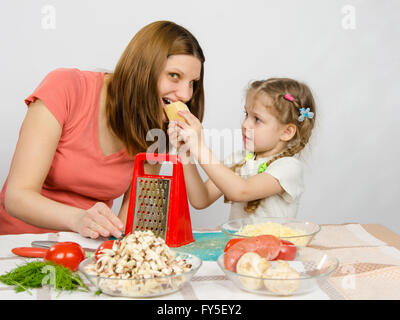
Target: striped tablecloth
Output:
[(369, 268)]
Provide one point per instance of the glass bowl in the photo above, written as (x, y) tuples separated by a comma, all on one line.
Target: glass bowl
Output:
[(313, 267), (142, 288), (309, 229)]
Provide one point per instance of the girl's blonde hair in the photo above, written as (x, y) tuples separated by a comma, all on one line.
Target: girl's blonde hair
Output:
[(287, 112), (133, 104)]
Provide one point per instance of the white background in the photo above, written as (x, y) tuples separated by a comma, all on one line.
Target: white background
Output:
[(346, 51)]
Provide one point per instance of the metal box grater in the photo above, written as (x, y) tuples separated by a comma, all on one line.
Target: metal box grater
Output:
[(159, 203), (151, 206)]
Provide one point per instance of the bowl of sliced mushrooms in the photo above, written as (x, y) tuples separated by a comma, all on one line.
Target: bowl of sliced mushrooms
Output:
[(140, 265)]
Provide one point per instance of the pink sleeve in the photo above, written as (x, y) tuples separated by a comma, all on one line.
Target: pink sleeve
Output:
[(57, 91)]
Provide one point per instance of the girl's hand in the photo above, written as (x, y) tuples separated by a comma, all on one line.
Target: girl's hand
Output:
[(173, 135), (191, 133), (178, 143), (97, 221)]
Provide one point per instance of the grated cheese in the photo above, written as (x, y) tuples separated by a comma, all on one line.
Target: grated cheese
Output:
[(276, 229)]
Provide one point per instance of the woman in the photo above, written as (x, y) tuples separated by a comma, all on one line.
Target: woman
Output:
[(82, 130)]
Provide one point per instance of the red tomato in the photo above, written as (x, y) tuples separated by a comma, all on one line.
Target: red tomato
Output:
[(68, 254), (105, 245), (287, 251), (231, 242)]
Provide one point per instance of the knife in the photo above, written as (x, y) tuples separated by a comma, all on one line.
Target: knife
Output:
[(48, 244)]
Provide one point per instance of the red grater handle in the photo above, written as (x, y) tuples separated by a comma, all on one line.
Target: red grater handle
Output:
[(153, 158)]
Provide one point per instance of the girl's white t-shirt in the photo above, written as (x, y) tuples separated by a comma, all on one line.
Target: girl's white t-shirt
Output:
[(287, 170)]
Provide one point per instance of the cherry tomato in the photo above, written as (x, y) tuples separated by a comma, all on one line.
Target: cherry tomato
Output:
[(287, 251), (68, 254), (231, 242), (105, 245)]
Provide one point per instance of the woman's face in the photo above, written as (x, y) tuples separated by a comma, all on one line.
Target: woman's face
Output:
[(177, 78)]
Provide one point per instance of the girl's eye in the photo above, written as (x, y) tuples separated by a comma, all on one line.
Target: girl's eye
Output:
[(174, 75), (245, 113), (257, 119)]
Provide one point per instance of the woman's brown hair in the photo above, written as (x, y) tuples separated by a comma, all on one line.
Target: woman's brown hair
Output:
[(286, 112), (133, 104)]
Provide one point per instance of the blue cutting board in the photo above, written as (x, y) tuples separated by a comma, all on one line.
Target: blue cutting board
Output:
[(208, 246)]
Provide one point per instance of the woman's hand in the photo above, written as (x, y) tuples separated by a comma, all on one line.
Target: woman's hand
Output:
[(98, 220)]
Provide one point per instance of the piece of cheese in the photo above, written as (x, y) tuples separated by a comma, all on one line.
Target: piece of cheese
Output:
[(172, 110)]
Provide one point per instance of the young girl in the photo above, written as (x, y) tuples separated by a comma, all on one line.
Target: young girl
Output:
[(266, 178)]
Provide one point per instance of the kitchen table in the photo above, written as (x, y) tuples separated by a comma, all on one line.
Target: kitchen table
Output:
[(369, 256)]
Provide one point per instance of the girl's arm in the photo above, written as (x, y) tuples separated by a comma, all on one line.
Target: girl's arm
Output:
[(234, 187), (39, 137), (201, 194)]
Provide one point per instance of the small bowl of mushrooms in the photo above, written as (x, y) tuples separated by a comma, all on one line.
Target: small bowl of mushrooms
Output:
[(140, 265)]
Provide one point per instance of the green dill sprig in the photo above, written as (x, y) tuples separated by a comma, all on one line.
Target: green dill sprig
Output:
[(36, 274)]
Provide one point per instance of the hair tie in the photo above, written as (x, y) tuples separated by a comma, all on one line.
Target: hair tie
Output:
[(305, 113), (249, 156), (289, 97), (261, 168)]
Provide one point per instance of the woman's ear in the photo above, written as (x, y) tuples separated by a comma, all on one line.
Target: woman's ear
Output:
[(288, 132)]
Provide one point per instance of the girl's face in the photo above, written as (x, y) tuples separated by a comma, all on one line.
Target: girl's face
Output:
[(177, 78), (262, 132)]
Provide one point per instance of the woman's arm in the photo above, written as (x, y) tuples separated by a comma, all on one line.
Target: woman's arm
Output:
[(39, 137), (123, 211)]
